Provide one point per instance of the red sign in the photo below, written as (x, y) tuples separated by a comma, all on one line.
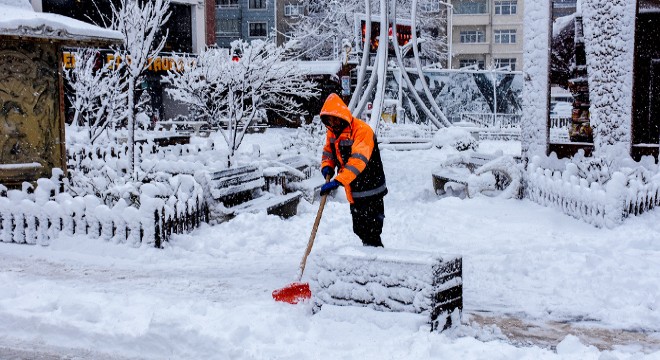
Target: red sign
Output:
[(403, 34)]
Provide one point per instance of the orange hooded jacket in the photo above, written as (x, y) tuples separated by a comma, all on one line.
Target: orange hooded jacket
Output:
[(355, 152)]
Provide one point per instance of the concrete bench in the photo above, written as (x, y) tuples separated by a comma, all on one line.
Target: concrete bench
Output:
[(390, 280)]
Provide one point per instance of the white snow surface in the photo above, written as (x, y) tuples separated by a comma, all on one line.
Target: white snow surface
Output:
[(207, 294), (18, 18)]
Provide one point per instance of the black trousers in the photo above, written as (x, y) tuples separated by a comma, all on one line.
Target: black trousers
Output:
[(368, 216)]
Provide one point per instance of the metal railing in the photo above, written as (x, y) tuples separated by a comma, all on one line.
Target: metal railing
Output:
[(490, 120)]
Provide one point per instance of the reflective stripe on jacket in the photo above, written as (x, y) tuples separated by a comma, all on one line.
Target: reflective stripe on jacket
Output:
[(355, 152)]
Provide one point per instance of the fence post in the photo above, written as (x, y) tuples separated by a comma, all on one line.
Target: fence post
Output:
[(157, 229)]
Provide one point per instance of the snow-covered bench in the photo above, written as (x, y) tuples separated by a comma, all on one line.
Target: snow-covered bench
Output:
[(394, 280), (240, 189), (299, 173), (456, 174)]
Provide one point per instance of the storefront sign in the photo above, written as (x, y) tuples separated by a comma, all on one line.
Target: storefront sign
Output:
[(158, 64)]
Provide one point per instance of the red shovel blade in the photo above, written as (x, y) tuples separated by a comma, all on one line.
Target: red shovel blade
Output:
[(293, 293)]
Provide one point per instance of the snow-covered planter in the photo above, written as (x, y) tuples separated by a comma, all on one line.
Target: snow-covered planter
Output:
[(456, 138), (589, 190)]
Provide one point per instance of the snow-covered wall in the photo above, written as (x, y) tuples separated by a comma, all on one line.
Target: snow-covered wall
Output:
[(535, 99), (609, 30)]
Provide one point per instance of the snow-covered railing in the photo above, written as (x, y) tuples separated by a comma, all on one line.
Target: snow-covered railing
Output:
[(86, 158), (560, 122), (490, 120), (559, 127), (39, 215), (603, 205)]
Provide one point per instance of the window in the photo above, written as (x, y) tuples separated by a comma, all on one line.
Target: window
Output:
[(470, 62), (226, 3), (228, 26), (257, 4), (293, 10), (505, 36), (511, 63), (506, 7), (473, 36), (258, 29), (471, 7)]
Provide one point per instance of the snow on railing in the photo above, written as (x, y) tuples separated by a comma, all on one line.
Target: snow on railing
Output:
[(37, 215), (86, 157), (491, 120), (602, 205)]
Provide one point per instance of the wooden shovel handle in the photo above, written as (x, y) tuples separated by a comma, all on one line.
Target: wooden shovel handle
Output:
[(310, 243)]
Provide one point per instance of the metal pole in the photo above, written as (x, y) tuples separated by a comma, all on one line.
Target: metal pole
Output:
[(493, 75), (450, 31)]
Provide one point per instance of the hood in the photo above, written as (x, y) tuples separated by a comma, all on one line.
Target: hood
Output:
[(335, 106)]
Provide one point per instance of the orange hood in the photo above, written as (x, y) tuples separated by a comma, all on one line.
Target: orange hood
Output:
[(335, 106)]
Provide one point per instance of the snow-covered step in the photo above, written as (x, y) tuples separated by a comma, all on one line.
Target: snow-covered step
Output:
[(390, 280)]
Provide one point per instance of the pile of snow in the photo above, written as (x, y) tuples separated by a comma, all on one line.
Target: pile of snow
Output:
[(455, 138)]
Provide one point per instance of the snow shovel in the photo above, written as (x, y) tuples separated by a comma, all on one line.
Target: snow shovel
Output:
[(299, 291)]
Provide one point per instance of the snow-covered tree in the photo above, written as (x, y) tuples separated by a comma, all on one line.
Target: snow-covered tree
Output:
[(327, 21), (232, 94), (97, 97), (140, 22)]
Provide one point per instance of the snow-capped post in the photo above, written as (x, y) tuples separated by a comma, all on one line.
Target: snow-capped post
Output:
[(232, 92), (536, 98), (97, 97), (140, 23), (609, 30)]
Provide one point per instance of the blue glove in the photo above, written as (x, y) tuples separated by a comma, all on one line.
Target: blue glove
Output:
[(329, 186), (328, 171)]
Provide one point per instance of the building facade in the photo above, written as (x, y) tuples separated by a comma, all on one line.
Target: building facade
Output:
[(191, 23), (286, 15), (190, 28), (487, 33), (244, 19)]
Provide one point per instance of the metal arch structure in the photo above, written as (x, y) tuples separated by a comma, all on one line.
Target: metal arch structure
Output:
[(378, 77)]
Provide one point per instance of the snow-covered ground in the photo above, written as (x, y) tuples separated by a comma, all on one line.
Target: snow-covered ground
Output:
[(207, 295)]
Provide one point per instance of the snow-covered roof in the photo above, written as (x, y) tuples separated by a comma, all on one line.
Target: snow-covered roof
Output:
[(330, 67), (17, 18)]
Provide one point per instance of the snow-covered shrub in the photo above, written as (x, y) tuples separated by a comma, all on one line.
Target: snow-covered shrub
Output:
[(234, 93), (453, 137), (486, 177), (309, 138), (96, 95)]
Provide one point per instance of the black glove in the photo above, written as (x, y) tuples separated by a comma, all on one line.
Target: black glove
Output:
[(328, 171), (329, 186)]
